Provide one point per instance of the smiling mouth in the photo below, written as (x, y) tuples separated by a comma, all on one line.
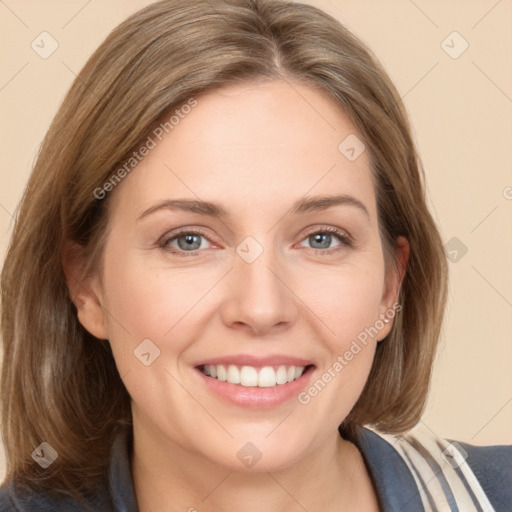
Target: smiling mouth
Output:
[(250, 376)]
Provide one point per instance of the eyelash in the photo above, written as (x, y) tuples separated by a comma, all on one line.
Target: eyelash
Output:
[(345, 239)]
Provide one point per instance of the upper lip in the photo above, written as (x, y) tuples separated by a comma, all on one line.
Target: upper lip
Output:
[(256, 361)]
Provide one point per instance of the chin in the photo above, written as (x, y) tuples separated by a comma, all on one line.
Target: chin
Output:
[(259, 453)]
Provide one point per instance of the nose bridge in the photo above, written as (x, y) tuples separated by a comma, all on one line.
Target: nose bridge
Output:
[(259, 296), (257, 267)]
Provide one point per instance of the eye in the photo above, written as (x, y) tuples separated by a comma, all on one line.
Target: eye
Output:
[(187, 240), (324, 236)]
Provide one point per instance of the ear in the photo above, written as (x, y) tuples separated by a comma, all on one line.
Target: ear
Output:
[(84, 290), (393, 282)]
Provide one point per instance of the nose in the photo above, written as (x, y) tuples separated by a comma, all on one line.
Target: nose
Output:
[(260, 300)]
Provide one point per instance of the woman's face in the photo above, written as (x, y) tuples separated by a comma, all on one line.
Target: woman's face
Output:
[(283, 291)]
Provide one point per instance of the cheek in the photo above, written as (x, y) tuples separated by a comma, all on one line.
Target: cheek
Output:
[(346, 300), (146, 304), (151, 301)]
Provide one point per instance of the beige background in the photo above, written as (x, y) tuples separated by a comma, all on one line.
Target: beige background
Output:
[(461, 113)]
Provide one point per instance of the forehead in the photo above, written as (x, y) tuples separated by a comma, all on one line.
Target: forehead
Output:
[(265, 143)]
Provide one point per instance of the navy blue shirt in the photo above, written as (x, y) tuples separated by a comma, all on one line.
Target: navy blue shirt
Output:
[(416, 472)]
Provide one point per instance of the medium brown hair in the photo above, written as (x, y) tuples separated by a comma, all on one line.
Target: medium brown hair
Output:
[(59, 383)]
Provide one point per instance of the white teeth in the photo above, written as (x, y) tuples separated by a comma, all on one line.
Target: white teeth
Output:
[(281, 375), (221, 373), (248, 376), (233, 374), (267, 377)]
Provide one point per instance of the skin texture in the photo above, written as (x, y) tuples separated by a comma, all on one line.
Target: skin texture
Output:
[(256, 149)]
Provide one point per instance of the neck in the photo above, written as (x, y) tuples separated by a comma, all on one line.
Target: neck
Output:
[(168, 477)]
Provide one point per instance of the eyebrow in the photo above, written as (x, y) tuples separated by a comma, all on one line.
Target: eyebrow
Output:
[(217, 210)]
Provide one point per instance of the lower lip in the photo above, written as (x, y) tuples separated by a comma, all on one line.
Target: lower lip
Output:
[(256, 397)]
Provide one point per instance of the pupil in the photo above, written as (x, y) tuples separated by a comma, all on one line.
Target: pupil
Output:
[(318, 238), (189, 241)]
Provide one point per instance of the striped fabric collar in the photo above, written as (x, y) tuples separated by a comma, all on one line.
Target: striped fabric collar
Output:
[(421, 472)]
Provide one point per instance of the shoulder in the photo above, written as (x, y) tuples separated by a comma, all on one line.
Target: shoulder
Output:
[(492, 467), (6, 503), (115, 493), (22, 499), (447, 472)]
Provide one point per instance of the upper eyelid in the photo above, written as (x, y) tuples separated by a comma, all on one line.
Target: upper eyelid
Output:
[(328, 229)]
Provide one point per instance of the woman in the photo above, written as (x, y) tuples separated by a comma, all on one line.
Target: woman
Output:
[(260, 370)]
